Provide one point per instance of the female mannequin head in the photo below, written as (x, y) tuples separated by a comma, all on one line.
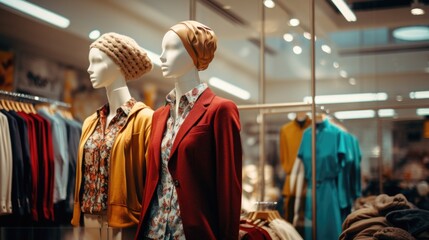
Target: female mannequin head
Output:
[(102, 70), (175, 60), (188, 45), (114, 56)]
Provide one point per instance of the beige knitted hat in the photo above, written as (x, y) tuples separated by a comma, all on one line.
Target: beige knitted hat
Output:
[(126, 53)]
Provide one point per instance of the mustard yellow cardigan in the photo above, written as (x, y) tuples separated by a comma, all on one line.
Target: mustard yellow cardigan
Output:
[(127, 167)]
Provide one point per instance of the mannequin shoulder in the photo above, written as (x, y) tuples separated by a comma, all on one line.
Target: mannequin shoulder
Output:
[(223, 103), (142, 112)]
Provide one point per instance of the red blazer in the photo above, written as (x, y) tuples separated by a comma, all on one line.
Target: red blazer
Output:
[(205, 164)]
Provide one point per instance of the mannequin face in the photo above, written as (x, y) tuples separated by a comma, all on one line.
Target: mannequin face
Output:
[(175, 60), (102, 70)]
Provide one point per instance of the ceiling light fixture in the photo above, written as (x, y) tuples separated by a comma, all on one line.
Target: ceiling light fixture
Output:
[(229, 88), (358, 114), (417, 8), (347, 98), (352, 81), (269, 3), (288, 37), (345, 10), (419, 95), (336, 64), (422, 111), (307, 35), (294, 22), (386, 112), (343, 73), (326, 48), (37, 12), (297, 50), (94, 34), (412, 33)]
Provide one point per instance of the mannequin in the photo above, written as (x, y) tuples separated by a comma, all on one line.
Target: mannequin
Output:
[(111, 155), (193, 188)]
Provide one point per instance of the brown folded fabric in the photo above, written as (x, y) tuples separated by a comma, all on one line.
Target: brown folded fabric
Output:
[(393, 233), (385, 204), (369, 232), (364, 202), (374, 224), (363, 213)]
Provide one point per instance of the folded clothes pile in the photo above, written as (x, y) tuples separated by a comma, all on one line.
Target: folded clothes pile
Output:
[(386, 217)]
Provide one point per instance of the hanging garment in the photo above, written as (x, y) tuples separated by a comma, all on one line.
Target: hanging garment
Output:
[(17, 164), (25, 178), (5, 167), (289, 142), (61, 158), (330, 150)]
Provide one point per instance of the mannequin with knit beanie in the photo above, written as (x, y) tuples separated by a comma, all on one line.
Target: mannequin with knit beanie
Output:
[(111, 164), (193, 181)]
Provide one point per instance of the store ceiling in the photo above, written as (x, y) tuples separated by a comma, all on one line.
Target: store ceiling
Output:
[(364, 49)]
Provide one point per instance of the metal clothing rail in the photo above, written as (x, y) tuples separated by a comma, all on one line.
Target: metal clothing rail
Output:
[(33, 98)]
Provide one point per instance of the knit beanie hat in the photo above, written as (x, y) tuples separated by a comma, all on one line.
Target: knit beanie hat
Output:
[(199, 41), (126, 53)]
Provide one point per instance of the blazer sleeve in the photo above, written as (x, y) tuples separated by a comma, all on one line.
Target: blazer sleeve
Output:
[(228, 169)]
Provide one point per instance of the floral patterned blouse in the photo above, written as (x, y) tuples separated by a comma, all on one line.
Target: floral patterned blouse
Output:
[(165, 220), (96, 158)]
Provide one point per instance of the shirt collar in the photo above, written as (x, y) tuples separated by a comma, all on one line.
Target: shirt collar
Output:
[(124, 108), (323, 124), (192, 95)]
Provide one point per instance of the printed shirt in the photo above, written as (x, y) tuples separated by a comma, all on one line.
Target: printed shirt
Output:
[(165, 220), (96, 158)]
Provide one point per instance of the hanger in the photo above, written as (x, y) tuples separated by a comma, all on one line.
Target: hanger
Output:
[(268, 215), (9, 105), (320, 117), (301, 116), (16, 106)]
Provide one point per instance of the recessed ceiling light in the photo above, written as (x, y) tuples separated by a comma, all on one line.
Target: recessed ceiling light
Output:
[(307, 35), (94, 34), (269, 3), (288, 37), (297, 50), (412, 33), (343, 73), (294, 22), (336, 65), (352, 81), (226, 7), (417, 8), (326, 49)]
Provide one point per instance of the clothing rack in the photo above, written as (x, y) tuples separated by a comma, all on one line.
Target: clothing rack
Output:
[(33, 98)]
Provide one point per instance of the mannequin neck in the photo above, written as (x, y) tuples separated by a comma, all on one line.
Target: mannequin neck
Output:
[(117, 94), (186, 82)]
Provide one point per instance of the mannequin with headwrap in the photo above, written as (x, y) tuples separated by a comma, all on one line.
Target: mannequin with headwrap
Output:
[(111, 155), (193, 183)]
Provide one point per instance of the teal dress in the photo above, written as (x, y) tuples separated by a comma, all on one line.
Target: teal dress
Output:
[(330, 150), (344, 178)]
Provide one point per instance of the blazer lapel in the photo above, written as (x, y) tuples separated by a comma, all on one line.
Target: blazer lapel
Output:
[(159, 132), (197, 111)]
